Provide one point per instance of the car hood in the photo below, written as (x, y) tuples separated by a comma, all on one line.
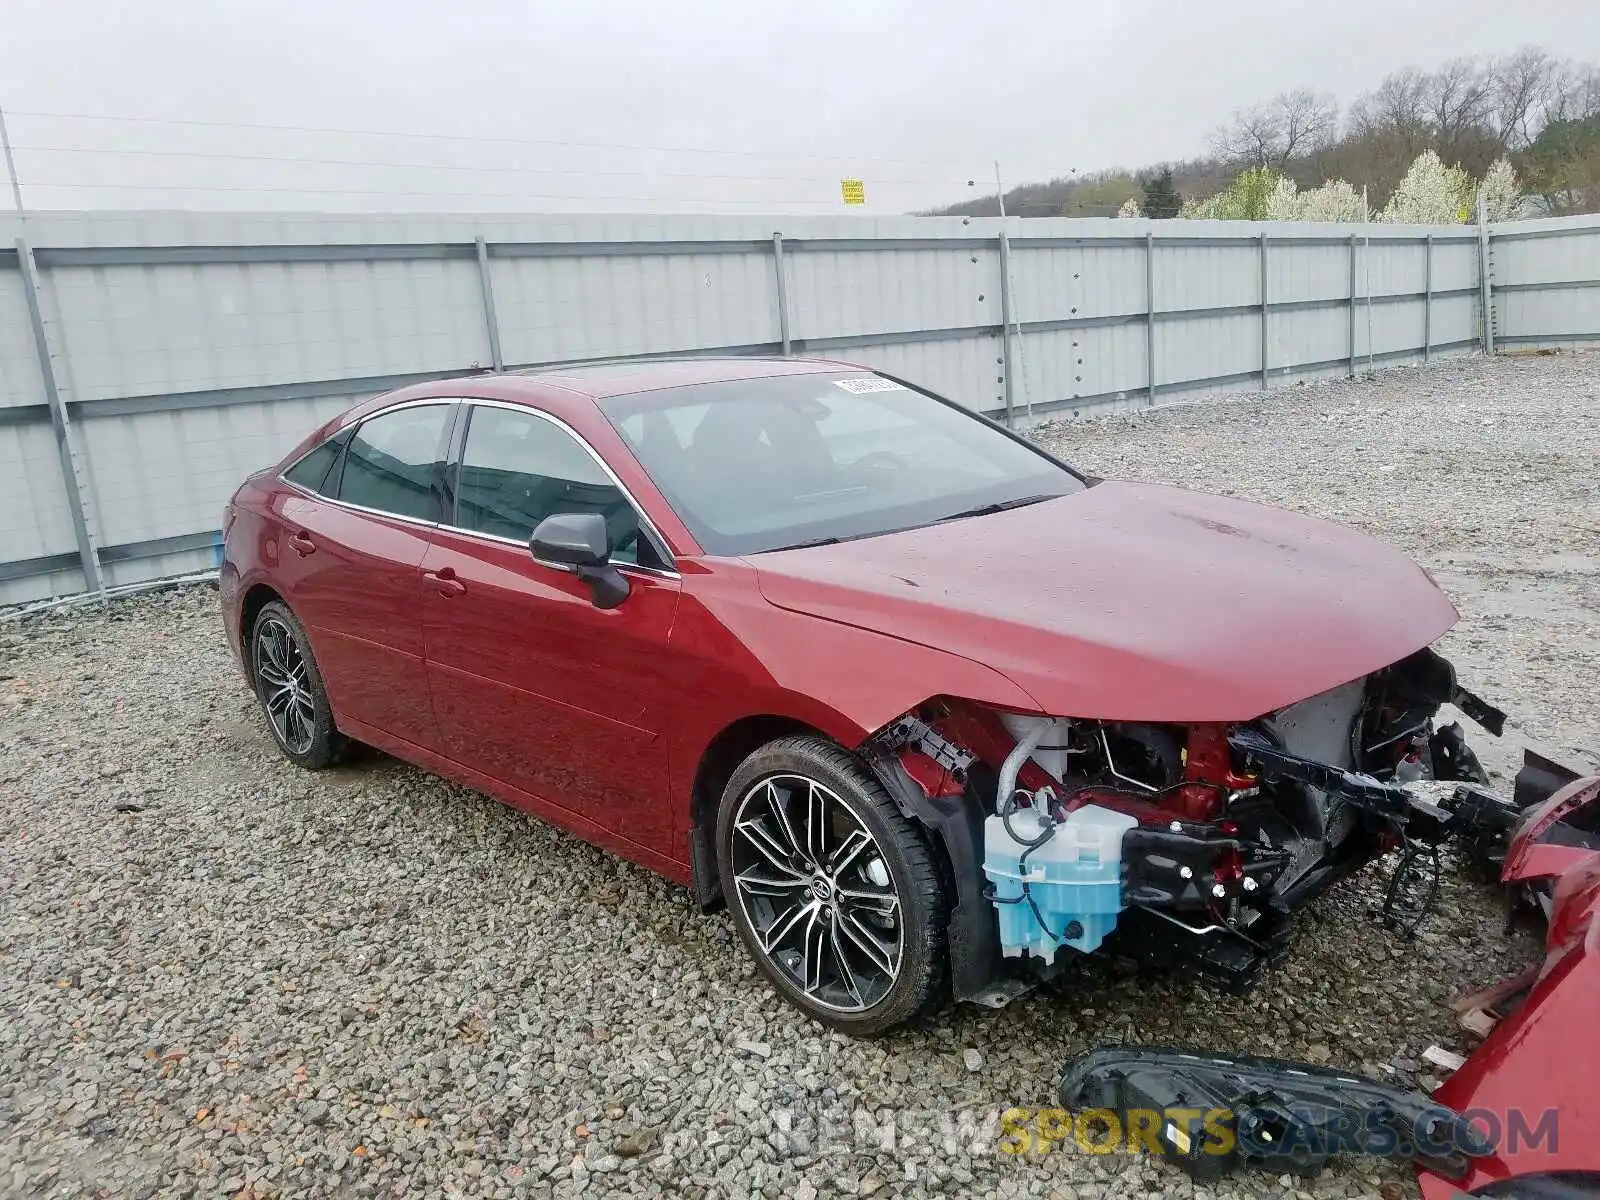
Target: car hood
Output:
[(1132, 601)]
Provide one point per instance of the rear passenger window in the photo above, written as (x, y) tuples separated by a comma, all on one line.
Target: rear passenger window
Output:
[(396, 462), (311, 470)]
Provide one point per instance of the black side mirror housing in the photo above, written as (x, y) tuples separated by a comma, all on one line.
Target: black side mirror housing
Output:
[(581, 542), (572, 540)]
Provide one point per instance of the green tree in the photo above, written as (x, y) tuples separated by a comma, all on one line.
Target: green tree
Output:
[(1099, 194), (1562, 166), (1247, 198), (1161, 198)]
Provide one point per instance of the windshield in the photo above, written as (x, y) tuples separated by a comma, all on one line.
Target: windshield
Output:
[(766, 464)]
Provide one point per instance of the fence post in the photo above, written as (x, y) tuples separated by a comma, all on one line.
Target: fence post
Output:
[(486, 284), (1485, 296), (1007, 358), (783, 292), (1352, 306), (1427, 303), (1150, 317), (60, 422), (1263, 310)]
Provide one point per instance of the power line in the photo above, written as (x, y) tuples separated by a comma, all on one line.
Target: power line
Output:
[(587, 196), (436, 166), (463, 137)]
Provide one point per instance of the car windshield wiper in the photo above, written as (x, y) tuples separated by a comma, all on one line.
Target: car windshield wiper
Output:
[(981, 510), (984, 510), (821, 541)]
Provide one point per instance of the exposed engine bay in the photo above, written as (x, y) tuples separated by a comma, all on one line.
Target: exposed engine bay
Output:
[(1184, 846)]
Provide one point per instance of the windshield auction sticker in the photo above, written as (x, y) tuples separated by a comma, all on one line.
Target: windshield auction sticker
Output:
[(861, 384)]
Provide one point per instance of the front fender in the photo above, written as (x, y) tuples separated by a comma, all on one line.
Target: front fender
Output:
[(746, 657)]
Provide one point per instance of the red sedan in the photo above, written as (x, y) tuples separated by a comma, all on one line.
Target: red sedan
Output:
[(926, 706)]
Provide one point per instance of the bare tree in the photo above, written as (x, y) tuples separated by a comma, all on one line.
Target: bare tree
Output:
[(1457, 98), (1310, 122), (1252, 137), (1522, 84), (1388, 128), (1574, 94), (1269, 135), (1398, 106)]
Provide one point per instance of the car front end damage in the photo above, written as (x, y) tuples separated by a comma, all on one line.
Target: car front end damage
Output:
[(1184, 846)]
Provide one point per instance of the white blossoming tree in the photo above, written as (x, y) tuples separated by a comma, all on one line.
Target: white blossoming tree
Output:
[(1284, 202), (1130, 208), (1431, 194), (1501, 191), (1335, 200)]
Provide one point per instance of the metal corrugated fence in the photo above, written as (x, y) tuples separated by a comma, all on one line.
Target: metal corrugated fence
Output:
[(149, 361)]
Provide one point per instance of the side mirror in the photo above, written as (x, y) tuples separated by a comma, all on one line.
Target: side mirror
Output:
[(582, 542), (572, 540)]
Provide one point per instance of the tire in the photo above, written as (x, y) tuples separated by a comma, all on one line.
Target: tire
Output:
[(297, 709), (859, 944)]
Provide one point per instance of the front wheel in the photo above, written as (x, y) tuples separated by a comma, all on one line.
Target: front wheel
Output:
[(834, 891)]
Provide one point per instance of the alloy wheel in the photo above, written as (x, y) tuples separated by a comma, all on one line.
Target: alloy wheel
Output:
[(818, 895), (285, 686)]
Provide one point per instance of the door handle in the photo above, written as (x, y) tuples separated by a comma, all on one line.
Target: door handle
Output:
[(302, 544), (445, 582)]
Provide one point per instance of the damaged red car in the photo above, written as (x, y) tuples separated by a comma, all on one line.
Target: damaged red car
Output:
[(928, 708)]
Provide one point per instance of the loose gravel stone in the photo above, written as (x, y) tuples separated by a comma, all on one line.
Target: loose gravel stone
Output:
[(224, 975)]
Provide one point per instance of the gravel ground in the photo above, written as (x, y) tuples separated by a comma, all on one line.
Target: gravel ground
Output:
[(222, 975)]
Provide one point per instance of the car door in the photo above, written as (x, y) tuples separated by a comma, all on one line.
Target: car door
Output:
[(350, 559), (533, 684)]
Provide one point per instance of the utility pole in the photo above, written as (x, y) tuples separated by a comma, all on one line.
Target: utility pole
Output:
[(1009, 321), (1366, 262), (11, 165)]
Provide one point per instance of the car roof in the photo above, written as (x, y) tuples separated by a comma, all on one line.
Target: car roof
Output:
[(558, 389), (600, 380)]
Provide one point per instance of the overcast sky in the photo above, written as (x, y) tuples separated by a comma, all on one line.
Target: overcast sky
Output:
[(915, 97)]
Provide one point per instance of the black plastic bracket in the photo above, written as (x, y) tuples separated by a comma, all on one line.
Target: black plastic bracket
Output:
[(957, 822), (1210, 1114), (1480, 710), (703, 880), (1260, 754)]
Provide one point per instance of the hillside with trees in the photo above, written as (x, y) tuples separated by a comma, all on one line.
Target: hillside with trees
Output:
[(1527, 121)]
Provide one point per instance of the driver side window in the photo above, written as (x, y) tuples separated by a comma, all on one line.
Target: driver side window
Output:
[(517, 469)]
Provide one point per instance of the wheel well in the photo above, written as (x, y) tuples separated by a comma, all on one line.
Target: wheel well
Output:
[(257, 598), (717, 765)]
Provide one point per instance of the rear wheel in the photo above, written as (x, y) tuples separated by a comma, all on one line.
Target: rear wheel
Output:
[(834, 891), (290, 689)]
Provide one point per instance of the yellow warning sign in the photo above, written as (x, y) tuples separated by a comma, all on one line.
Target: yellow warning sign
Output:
[(853, 191)]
